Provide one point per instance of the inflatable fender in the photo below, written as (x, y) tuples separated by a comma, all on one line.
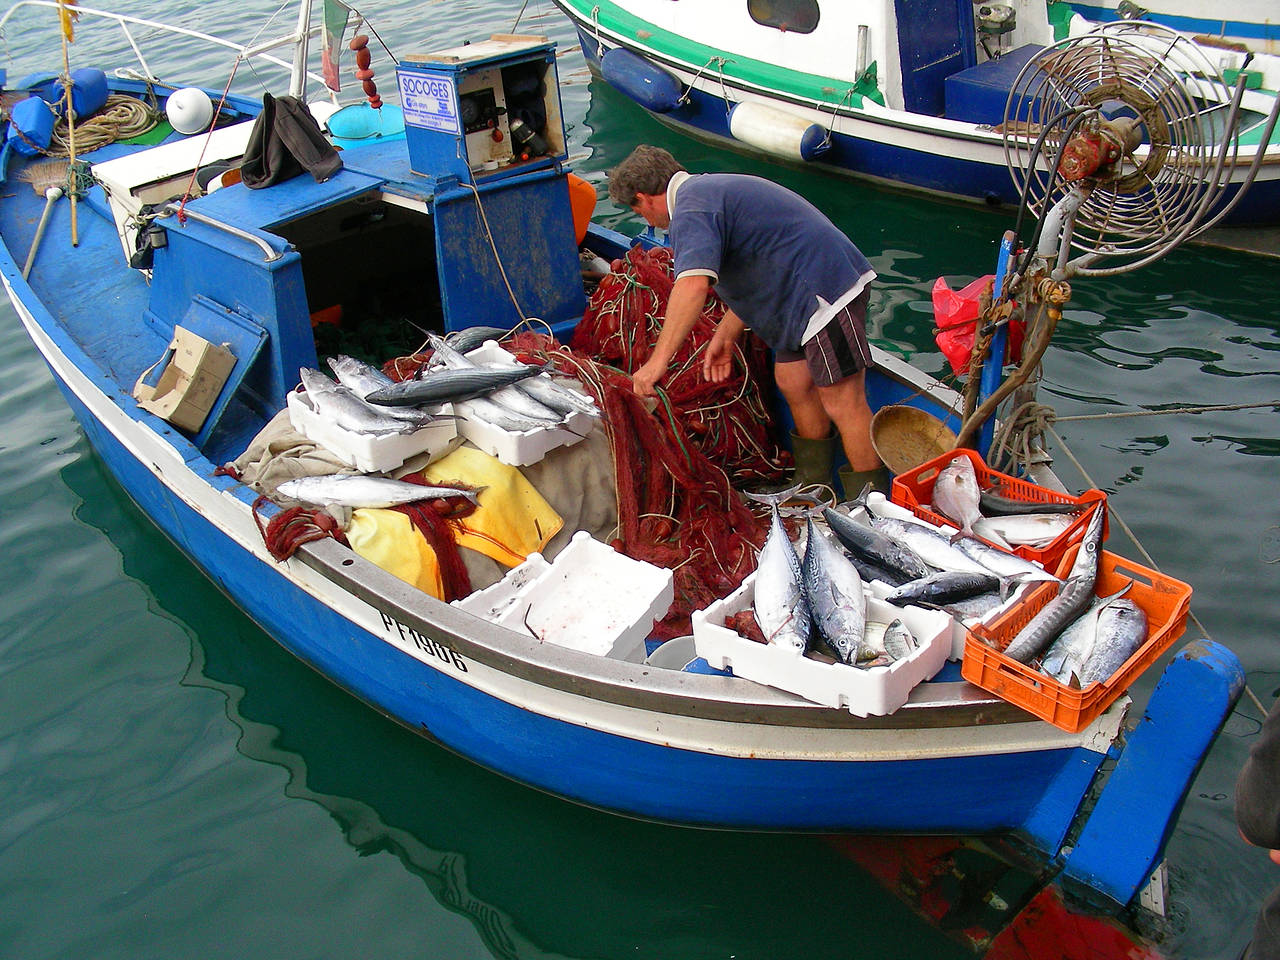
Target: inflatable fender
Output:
[(646, 83)]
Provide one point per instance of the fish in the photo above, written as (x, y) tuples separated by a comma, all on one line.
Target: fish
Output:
[(943, 587), (360, 378), (1068, 654), (834, 592), (544, 389), (510, 397), (780, 606), (442, 385), (899, 641), (956, 493), (1074, 596), (337, 404), (976, 607), (875, 546), (870, 570), (885, 643), (1025, 529), (358, 490), (472, 337), (1003, 564), (994, 505), (928, 544), (482, 408), (1122, 629)]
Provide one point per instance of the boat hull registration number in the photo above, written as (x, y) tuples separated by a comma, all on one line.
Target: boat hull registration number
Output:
[(442, 652)]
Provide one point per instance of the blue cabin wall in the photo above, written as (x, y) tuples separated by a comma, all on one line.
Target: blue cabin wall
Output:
[(200, 261), (935, 39)]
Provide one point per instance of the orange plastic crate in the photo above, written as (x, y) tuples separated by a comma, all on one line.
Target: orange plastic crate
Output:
[(1165, 601), (913, 489)]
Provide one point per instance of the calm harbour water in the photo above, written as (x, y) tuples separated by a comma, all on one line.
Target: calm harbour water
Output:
[(172, 784)]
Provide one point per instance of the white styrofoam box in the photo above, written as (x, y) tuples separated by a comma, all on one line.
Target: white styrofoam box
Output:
[(873, 691), (364, 451), (594, 599), (674, 654), (497, 598), (519, 449)]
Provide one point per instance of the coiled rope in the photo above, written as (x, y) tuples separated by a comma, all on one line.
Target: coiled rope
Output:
[(121, 118)]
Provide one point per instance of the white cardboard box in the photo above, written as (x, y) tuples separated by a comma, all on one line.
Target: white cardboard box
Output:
[(590, 598), (864, 692), (518, 449), (364, 451)]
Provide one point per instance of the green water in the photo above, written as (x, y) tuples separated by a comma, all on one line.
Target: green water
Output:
[(173, 785)]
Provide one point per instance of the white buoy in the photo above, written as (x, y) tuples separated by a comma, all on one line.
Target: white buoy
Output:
[(776, 131), (189, 110)]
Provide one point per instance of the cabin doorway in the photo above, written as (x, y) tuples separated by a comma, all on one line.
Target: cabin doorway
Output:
[(935, 39)]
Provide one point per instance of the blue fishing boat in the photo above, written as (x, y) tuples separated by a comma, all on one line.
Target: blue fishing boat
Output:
[(161, 262), (914, 95)]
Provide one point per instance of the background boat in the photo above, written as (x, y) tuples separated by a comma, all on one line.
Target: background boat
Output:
[(899, 286), (1252, 23), (899, 93)]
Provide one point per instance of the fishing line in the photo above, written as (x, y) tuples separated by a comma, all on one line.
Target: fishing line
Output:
[(1209, 408)]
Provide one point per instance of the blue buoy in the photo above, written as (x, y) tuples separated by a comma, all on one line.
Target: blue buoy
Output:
[(88, 92), (646, 83), (30, 126)]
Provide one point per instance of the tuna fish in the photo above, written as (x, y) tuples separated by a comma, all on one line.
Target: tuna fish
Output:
[(1074, 596), (995, 505), (337, 404), (511, 397), (1122, 629), (445, 385), (875, 546), (944, 587), (361, 379), (780, 606), (357, 490), (1003, 564), (1068, 654), (833, 589)]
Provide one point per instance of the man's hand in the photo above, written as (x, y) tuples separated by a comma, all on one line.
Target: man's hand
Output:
[(717, 359), (644, 380)]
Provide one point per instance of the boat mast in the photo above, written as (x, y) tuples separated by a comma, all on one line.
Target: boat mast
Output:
[(298, 76)]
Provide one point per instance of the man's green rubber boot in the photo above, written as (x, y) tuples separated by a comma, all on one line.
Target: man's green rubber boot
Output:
[(814, 459), (854, 480)]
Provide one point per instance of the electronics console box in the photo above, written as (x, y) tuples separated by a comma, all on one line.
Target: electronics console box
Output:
[(484, 110)]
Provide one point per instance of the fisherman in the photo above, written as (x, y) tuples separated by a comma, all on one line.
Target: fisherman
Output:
[(788, 274), (1257, 808)]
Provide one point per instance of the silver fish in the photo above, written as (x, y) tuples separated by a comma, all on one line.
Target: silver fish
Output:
[(780, 605), (482, 408), (995, 505), (1122, 629), (472, 337), (546, 390), (956, 493), (1027, 529), (884, 643), (943, 587), (361, 379), (875, 546), (336, 403), (835, 595), (1069, 653), (1002, 563), (446, 385), (508, 396), (973, 608), (1074, 596), (899, 641), (357, 490), (928, 544)]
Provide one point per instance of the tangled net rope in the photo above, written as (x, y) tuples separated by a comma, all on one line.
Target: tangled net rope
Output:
[(121, 118), (727, 421)]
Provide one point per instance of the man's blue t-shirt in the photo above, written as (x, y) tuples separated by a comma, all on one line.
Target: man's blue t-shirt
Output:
[(773, 253)]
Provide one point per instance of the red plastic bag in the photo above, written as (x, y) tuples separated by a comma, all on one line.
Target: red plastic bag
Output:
[(955, 313)]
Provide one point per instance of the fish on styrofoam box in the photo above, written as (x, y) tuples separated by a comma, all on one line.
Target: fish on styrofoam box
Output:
[(371, 453), (591, 598), (521, 448), (874, 691), (959, 626)]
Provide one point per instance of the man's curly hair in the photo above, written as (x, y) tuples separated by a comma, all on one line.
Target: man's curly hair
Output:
[(647, 170)]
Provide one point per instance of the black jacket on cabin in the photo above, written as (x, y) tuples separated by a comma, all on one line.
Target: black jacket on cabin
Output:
[(285, 141)]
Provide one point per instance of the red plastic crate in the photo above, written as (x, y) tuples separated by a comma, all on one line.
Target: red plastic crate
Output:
[(1164, 600), (913, 489)]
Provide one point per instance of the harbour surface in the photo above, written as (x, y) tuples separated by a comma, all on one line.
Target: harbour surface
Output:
[(172, 784)]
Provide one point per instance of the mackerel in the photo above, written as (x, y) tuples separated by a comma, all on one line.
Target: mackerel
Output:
[(1122, 629), (928, 544), (1002, 563), (1072, 649), (995, 505), (1074, 596), (509, 396), (944, 587), (361, 379)]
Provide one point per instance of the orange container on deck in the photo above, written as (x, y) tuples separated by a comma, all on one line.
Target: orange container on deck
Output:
[(1165, 601), (913, 489)]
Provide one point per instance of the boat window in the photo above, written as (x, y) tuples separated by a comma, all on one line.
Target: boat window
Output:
[(789, 16)]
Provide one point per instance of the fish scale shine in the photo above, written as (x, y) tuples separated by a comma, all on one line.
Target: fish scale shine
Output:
[(834, 589), (780, 606)]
